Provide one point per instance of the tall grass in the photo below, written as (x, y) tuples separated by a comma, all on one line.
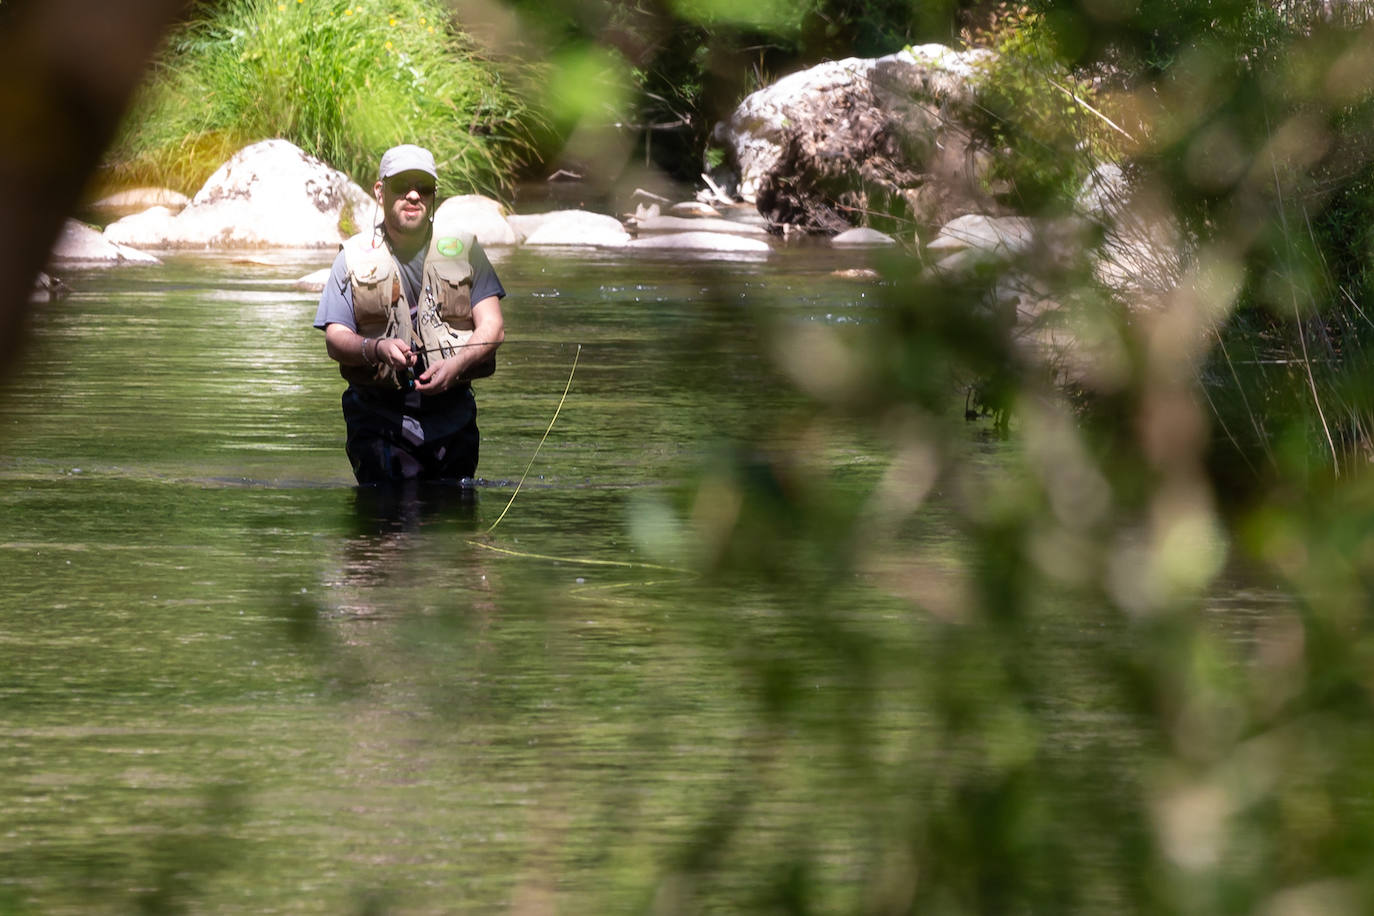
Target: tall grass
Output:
[(343, 80)]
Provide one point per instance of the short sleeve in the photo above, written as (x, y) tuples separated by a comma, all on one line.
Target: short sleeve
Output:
[(485, 283), (336, 300)]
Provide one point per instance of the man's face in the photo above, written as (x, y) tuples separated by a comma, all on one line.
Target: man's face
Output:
[(407, 203)]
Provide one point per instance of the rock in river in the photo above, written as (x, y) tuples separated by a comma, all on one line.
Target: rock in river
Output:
[(268, 195)]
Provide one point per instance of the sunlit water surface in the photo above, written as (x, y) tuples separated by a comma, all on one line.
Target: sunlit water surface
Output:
[(231, 683)]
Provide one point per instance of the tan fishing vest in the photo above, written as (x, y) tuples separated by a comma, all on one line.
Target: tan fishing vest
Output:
[(443, 321)]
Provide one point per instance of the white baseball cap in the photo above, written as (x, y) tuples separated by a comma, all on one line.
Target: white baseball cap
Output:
[(408, 158)]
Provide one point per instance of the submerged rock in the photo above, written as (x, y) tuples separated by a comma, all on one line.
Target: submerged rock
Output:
[(48, 288), (692, 208), (84, 244)]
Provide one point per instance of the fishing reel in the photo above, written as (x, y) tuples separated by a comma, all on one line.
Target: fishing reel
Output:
[(407, 376)]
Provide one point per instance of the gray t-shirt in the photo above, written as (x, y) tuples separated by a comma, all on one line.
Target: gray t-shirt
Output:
[(336, 302)]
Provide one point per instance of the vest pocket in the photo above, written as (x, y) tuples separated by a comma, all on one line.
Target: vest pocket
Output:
[(372, 303), (451, 282)]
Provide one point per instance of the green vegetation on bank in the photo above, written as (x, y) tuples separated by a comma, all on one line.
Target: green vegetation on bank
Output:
[(1039, 116), (343, 80)]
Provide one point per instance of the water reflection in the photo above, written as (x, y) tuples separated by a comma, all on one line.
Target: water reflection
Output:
[(409, 505)]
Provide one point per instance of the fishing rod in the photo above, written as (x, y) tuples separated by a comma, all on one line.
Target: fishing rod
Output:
[(406, 375)]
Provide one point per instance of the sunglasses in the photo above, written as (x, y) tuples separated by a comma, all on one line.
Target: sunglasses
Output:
[(400, 186)]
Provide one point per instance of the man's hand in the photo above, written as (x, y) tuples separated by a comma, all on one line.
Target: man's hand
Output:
[(489, 330), (395, 352), (441, 376), (348, 347)]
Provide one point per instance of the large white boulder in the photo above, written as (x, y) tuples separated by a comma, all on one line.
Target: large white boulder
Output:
[(268, 195), (81, 244), (859, 134), (579, 228), (482, 216)]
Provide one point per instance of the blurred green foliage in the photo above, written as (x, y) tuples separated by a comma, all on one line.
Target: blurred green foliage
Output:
[(1217, 438), (1221, 436)]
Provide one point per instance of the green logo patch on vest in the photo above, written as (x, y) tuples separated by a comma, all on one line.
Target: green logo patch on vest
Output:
[(449, 247)]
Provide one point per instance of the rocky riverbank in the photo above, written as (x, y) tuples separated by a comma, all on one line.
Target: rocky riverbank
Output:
[(820, 151)]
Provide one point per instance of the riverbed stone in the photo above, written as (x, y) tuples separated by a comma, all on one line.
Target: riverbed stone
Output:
[(978, 231), (268, 195), (482, 216), (524, 224), (863, 237), (1104, 193), (47, 288), (692, 208), (651, 224), (313, 282), (700, 241), (578, 228), (135, 200), (80, 243), (1141, 247)]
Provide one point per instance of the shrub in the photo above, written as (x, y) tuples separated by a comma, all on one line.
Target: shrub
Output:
[(343, 80), (1035, 111)]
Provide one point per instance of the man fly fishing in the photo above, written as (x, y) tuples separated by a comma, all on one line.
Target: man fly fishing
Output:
[(411, 313)]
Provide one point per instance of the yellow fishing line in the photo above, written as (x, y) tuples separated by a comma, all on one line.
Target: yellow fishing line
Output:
[(581, 561), (585, 561), (521, 482)]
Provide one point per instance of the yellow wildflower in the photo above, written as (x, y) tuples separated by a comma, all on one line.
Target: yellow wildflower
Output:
[(393, 20), (422, 20), (388, 46), (349, 11)]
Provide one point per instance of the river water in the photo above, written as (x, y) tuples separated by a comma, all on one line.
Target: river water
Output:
[(231, 683)]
